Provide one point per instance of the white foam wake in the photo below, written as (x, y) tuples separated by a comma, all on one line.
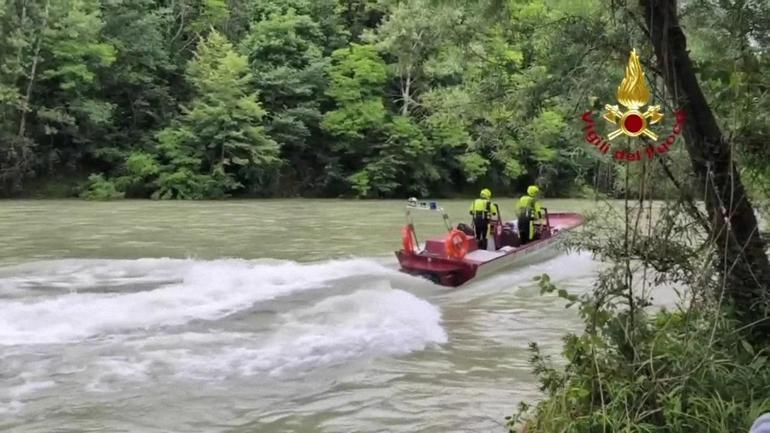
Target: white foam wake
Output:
[(365, 324), (201, 291)]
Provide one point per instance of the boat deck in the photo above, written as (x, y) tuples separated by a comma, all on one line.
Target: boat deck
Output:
[(481, 256)]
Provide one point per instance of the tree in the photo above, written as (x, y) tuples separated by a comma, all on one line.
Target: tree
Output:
[(193, 20), (412, 34), (88, 86), (357, 78), (360, 15), (733, 224), (55, 72), (218, 145), (138, 82), (289, 72), (21, 27)]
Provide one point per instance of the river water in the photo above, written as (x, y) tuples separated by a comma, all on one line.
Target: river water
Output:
[(258, 316)]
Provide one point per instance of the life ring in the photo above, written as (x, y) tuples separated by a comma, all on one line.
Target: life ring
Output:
[(456, 244), (407, 239)]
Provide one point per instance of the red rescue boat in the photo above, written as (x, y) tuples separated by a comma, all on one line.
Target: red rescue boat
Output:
[(454, 258)]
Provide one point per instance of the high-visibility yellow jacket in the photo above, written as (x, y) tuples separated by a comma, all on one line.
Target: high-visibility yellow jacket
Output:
[(528, 205), (482, 206)]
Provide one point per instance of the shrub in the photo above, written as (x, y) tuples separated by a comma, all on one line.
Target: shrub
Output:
[(100, 188)]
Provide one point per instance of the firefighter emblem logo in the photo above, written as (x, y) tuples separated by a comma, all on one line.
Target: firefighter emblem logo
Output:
[(635, 121)]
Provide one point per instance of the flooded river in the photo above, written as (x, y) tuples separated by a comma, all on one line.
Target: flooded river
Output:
[(258, 316)]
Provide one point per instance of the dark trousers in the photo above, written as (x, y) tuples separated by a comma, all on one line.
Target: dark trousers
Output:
[(523, 224), (481, 227)]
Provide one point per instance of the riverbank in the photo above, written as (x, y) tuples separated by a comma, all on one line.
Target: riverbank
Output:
[(76, 185)]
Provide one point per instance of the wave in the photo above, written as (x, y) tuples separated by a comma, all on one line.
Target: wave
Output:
[(364, 324), (180, 291)]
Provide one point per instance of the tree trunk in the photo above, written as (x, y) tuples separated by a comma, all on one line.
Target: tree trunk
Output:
[(32, 74), (742, 255), (406, 91)]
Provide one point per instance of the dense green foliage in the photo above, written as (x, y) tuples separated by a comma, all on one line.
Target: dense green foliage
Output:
[(686, 368), (692, 373), (214, 98)]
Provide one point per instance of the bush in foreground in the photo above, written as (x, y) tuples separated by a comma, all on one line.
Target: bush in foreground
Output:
[(674, 372)]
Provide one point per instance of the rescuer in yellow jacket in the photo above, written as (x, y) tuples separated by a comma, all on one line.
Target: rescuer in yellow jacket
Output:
[(481, 210), (529, 211)]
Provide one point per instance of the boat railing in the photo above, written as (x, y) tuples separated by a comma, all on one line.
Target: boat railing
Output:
[(425, 205)]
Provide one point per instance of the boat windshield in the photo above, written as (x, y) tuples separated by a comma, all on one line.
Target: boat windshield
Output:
[(432, 208)]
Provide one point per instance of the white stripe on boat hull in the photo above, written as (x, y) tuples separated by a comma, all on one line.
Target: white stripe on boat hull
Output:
[(539, 252)]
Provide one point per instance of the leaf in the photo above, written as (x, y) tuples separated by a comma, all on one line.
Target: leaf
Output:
[(747, 347), (759, 363), (566, 295)]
